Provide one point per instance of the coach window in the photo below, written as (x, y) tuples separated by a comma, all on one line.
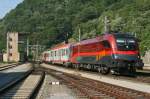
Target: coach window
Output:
[(51, 53), (63, 52), (66, 51), (59, 52), (55, 53)]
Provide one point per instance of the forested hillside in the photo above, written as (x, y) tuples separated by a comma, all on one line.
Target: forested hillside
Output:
[(53, 21)]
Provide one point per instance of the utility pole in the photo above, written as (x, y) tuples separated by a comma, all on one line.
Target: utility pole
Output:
[(79, 34), (27, 46), (37, 50), (66, 38), (107, 24), (79, 44)]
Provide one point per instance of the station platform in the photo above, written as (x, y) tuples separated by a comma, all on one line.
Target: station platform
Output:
[(54, 89), (146, 67), (143, 87)]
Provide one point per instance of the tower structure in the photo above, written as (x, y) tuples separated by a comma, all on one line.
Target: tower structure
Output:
[(12, 47)]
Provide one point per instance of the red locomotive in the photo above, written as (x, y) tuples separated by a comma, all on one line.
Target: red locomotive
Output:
[(116, 52)]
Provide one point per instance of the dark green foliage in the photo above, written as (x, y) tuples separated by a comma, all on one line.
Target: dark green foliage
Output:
[(53, 21)]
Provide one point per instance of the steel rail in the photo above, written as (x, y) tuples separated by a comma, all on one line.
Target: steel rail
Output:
[(95, 89), (9, 66), (26, 88)]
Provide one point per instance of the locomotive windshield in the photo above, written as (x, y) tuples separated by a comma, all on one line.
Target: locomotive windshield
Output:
[(126, 44)]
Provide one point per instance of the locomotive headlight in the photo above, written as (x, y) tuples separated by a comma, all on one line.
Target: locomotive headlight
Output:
[(116, 56)]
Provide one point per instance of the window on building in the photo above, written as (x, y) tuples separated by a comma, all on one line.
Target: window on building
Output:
[(10, 54), (10, 39), (10, 46)]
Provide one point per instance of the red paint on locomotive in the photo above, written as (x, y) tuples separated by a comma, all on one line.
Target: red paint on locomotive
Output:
[(109, 51)]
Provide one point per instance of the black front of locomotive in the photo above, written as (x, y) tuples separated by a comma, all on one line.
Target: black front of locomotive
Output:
[(126, 54)]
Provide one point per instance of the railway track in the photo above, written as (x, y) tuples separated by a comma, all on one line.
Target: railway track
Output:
[(24, 89), (11, 76), (9, 66), (92, 89), (139, 76), (143, 76)]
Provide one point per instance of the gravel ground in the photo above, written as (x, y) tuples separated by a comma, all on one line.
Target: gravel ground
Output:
[(53, 89)]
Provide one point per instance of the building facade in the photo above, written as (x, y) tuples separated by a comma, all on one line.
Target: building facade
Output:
[(146, 58), (12, 54)]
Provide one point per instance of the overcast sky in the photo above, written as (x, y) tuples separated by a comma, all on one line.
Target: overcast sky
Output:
[(7, 5)]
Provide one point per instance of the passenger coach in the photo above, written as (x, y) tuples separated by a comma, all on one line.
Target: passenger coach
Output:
[(60, 54)]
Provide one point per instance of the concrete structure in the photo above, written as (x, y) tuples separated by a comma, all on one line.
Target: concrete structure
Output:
[(5, 57), (146, 60), (12, 54)]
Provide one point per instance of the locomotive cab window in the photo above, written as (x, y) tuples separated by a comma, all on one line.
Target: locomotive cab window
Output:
[(106, 44), (124, 44)]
